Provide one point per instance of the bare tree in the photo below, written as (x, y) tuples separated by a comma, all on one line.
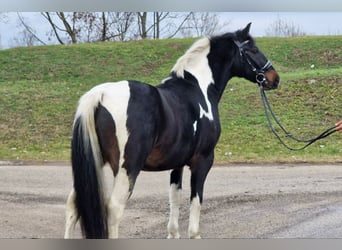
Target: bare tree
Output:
[(173, 24), (115, 26), (202, 23), (283, 28), (28, 34), (89, 26), (158, 19), (62, 24), (160, 24), (178, 28), (25, 38), (142, 24), (74, 27)]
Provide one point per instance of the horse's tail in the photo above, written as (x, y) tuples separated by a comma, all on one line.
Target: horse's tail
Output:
[(87, 169)]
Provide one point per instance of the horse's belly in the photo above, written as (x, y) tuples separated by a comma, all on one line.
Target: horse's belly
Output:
[(160, 160)]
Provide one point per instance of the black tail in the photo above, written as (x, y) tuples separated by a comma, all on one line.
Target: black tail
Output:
[(87, 179)]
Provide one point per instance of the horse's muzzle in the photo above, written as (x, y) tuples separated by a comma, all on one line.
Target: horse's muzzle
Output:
[(272, 80)]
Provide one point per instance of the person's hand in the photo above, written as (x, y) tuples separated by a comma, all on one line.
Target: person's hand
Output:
[(339, 126)]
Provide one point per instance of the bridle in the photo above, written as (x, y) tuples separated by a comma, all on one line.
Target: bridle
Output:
[(262, 81), (259, 70)]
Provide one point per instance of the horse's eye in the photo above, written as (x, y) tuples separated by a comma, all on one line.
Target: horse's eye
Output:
[(254, 50)]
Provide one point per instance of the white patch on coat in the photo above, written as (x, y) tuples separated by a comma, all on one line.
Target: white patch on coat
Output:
[(195, 61), (166, 79), (194, 218), (195, 127), (209, 114), (175, 201), (114, 97)]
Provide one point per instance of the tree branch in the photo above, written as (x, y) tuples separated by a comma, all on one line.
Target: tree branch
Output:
[(53, 25), (181, 25), (29, 29)]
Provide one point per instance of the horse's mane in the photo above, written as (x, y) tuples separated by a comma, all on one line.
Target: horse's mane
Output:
[(191, 54), (202, 46)]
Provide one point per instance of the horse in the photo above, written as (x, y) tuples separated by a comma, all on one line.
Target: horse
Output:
[(133, 126)]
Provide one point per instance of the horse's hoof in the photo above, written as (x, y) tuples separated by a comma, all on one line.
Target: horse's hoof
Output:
[(173, 236), (195, 236)]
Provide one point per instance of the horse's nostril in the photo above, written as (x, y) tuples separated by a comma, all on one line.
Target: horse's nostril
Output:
[(276, 81)]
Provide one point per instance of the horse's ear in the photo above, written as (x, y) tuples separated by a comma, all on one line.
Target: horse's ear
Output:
[(245, 31)]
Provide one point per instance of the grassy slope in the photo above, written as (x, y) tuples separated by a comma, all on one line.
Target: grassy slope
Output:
[(40, 87)]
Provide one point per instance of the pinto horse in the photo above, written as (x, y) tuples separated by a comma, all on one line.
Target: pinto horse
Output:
[(133, 126)]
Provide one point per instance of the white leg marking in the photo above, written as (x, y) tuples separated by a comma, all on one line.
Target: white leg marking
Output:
[(195, 210), (117, 202), (70, 215), (175, 200)]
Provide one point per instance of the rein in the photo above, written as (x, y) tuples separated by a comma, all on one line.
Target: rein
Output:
[(269, 114)]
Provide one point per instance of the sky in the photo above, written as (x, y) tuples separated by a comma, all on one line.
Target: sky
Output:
[(312, 23)]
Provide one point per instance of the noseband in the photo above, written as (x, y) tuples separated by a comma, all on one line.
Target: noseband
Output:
[(259, 71)]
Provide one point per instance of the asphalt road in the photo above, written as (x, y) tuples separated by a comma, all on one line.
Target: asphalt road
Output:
[(274, 201)]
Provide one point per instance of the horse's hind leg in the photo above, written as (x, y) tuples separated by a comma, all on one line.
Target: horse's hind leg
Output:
[(117, 202), (112, 148), (125, 173), (130, 165), (71, 214), (175, 200)]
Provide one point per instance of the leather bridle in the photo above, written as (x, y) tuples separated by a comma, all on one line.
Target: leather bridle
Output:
[(259, 70)]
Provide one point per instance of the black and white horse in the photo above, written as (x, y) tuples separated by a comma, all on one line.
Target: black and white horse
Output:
[(133, 126)]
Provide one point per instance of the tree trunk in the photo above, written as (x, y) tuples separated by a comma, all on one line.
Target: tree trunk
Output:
[(104, 27), (67, 26), (142, 21)]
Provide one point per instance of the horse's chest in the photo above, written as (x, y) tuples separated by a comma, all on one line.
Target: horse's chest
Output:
[(207, 136)]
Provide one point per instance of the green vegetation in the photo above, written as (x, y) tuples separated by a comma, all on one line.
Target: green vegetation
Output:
[(40, 87)]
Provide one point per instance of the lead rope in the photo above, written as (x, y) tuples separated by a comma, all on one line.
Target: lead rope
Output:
[(269, 113)]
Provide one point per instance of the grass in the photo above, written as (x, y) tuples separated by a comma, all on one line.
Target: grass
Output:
[(40, 86)]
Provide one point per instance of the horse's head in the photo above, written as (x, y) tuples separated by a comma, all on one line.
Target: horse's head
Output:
[(251, 63)]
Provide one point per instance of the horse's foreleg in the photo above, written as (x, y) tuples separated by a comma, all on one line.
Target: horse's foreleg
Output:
[(175, 200), (199, 171), (70, 214)]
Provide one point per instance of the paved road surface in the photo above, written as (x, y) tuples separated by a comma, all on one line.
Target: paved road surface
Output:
[(280, 201)]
